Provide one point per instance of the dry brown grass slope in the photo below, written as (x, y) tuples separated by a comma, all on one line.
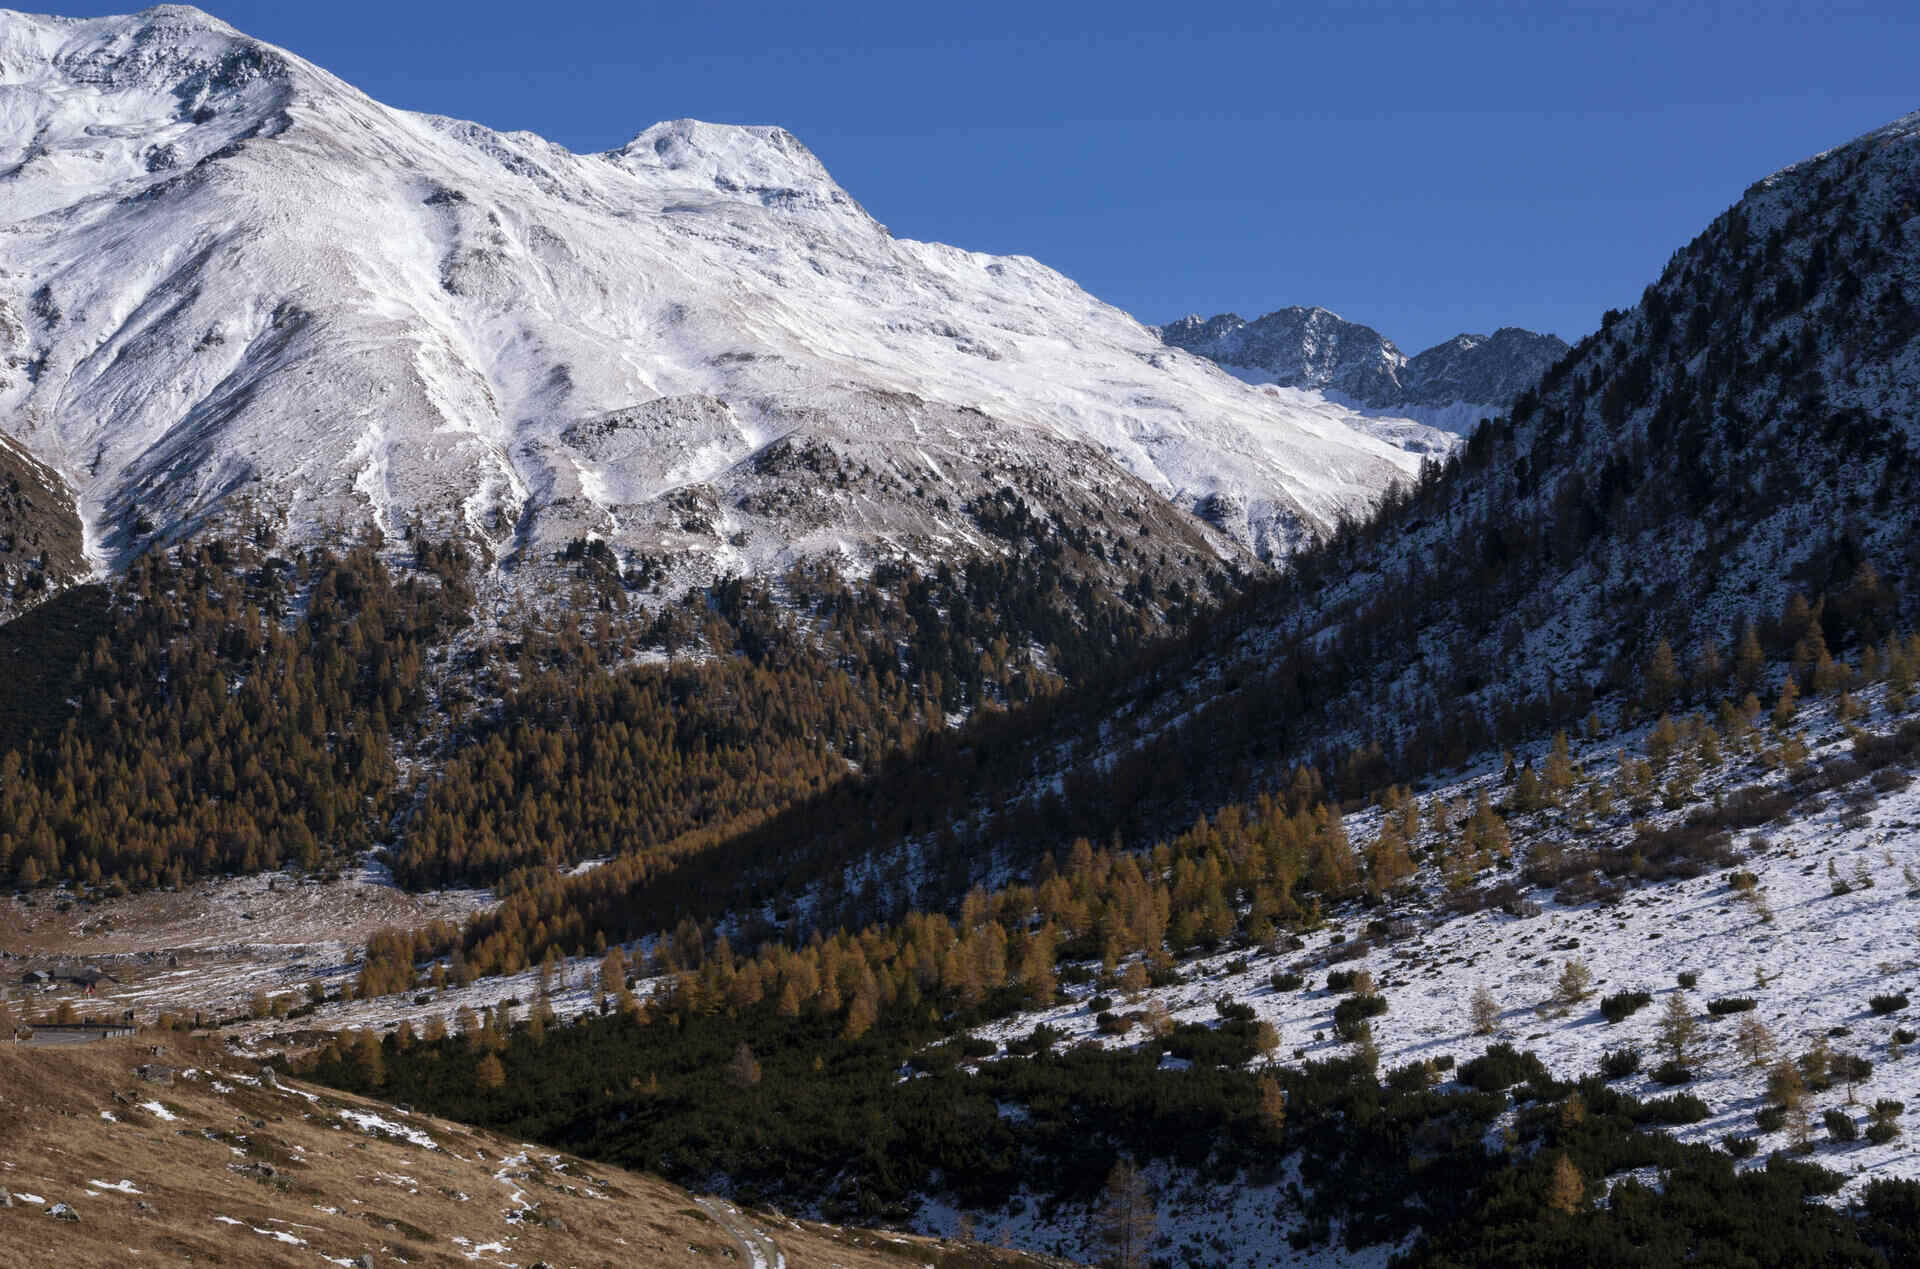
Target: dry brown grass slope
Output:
[(217, 1167)]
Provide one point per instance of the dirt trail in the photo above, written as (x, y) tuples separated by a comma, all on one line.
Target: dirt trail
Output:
[(762, 1251)]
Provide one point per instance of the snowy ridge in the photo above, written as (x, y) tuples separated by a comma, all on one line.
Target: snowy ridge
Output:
[(229, 276)]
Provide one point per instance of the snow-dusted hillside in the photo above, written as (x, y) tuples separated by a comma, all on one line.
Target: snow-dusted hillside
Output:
[(1821, 923), (1448, 388), (228, 275)]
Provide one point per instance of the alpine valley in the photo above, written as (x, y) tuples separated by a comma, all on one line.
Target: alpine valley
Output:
[(601, 708)]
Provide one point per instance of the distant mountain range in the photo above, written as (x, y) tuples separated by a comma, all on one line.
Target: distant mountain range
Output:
[(1451, 385)]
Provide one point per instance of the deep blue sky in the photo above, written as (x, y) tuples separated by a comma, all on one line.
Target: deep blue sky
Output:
[(1424, 168)]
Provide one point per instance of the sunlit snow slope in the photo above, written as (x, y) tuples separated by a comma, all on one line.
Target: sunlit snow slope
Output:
[(225, 275)]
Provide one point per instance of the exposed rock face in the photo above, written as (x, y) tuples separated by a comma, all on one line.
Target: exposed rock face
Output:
[(42, 542)]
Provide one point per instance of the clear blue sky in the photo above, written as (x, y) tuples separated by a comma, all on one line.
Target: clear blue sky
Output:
[(1424, 168)]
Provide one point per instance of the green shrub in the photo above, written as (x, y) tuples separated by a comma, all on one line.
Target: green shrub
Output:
[(1889, 1003), (1354, 1010), (1729, 1004), (1340, 979), (1672, 1072), (1770, 1118), (1039, 1040), (1840, 1125), (1287, 980), (1501, 1067), (1622, 1004), (1688, 979), (1740, 1147), (1681, 1108), (1883, 1121), (1617, 1064)]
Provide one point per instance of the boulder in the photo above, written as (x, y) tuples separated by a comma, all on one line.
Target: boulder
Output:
[(61, 1212)]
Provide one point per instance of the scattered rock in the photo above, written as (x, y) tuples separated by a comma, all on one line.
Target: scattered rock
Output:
[(62, 1212), (365, 1261), (268, 1079), (154, 1073), (6, 1199)]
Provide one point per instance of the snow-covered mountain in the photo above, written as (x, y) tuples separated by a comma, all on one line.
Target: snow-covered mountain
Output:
[(228, 277), (1451, 386)]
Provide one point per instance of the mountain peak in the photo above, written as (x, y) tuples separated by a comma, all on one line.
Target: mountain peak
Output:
[(725, 155)]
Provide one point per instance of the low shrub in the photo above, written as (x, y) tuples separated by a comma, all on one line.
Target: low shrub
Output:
[(1340, 979), (1729, 1004), (1352, 1011), (1688, 979), (1502, 1066), (1040, 1039), (1287, 980), (1739, 1147), (1888, 780), (1351, 951), (1770, 1118), (1621, 1005), (1883, 1121), (1681, 1108), (1671, 1072), (1617, 1064), (1840, 1125), (1892, 1002)]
